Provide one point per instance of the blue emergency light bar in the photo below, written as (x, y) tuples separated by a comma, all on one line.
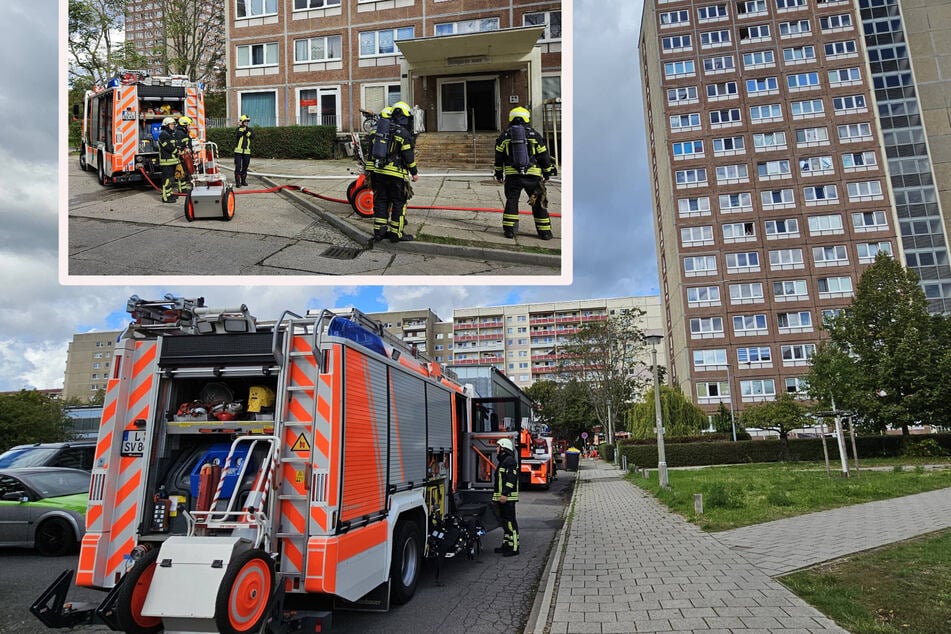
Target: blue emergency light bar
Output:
[(342, 327)]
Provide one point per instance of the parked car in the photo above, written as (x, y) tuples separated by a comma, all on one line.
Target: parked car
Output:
[(75, 454), (43, 508)]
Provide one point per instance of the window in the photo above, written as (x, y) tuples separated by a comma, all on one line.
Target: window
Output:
[(802, 80), (830, 256), (732, 172), (773, 168), (810, 108), (843, 21), (825, 224), (701, 264), (844, 75), (854, 132), (313, 4), (812, 135), (318, 49), (706, 326), (831, 314), (551, 20), (712, 12), (865, 189), (758, 32), (758, 59), (672, 43), (714, 38), (794, 28), (732, 144), (796, 385), (703, 295), (754, 355), (688, 149), (703, 358), (482, 25), (719, 64), (859, 159), (868, 250), (869, 220), (725, 89), (834, 285), (691, 177), (821, 193), (736, 202), (374, 43), (798, 352), (676, 96), (843, 105), (801, 319), (674, 17), (254, 8), (731, 115), (790, 290), (679, 69), (748, 261), (761, 85), (684, 121), (749, 324), (694, 206), (750, 6), (769, 140), (812, 164), (257, 55), (773, 197), (786, 258), (738, 230), (786, 228), (712, 390), (790, 4), (799, 53), (746, 293), (767, 112), (846, 47), (693, 236)]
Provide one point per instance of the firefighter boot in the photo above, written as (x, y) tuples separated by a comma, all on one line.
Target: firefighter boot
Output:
[(511, 231), (510, 553)]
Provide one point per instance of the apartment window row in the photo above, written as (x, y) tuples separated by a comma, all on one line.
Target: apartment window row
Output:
[(752, 325), (750, 389), (716, 358), (749, 261), (703, 235), (723, 64), (718, 12)]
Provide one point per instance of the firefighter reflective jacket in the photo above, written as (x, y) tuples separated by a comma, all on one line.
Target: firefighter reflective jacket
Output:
[(402, 159), (168, 147), (506, 478), (243, 144), (537, 151)]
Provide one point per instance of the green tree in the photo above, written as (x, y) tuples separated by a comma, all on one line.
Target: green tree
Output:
[(194, 41), (564, 407), (96, 50), (30, 416), (781, 416), (605, 357), (680, 416), (723, 420)]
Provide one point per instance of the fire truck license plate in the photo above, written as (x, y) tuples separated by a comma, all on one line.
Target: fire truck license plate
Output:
[(133, 443), (128, 116)]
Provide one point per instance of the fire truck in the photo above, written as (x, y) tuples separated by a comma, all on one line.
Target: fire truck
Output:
[(536, 459), (252, 477), (122, 121)]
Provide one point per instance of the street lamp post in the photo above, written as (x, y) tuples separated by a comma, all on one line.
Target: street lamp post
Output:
[(653, 340), (729, 386)]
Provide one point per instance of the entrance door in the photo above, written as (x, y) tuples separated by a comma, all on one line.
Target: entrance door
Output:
[(465, 104), (452, 106)]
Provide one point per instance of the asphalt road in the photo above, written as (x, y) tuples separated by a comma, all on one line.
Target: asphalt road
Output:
[(489, 595)]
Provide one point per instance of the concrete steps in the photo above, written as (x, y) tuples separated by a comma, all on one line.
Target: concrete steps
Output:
[(456, 149)]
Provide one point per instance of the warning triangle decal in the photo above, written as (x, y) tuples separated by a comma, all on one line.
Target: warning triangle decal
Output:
[(301, 444)]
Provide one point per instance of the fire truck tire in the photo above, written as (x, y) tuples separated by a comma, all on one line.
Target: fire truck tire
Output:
[(405, 565), (101, 173), (244, 597), (189, 207), (135, 587), (362, 201), (227, 204), (83, 165), (55, 537)]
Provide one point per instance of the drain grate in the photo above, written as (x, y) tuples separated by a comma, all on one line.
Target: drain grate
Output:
[(341, 253)]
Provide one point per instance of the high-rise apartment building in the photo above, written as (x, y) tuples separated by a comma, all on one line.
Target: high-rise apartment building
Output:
[(88, 364), (465, 64), (415, 328), (770, 177)]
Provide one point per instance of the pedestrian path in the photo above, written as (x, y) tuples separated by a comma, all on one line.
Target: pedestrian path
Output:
[(624, 563)]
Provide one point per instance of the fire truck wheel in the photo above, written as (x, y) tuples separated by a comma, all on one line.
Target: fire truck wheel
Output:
[(189, 207), (244, 596), (362, 202), (101, 173), (404, 568), (132, 593), (55, 537), (83, 165), (227, 204)]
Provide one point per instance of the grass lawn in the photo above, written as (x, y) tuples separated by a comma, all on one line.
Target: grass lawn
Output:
[(741, 495), (898, 588)]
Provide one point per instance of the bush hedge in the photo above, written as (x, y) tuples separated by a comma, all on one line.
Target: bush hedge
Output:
[(685, 454), (283, 142)]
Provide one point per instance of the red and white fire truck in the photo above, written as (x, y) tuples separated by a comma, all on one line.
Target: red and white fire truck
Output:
[(251, 477)]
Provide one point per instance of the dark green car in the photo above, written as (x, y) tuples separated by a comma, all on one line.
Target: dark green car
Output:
[(43, 508)]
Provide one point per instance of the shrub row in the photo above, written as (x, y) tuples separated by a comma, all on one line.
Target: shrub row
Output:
[(283, 142)]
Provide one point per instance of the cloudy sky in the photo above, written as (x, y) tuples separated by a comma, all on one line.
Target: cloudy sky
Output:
[(614, 254)]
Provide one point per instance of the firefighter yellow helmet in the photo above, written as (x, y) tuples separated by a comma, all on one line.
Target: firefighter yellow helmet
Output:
[(168, 121), (184, 121), (519, 113), (244, 117), (401, 107), (387, 112), (506, 443)]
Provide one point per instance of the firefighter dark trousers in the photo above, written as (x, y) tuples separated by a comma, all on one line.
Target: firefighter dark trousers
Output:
[(509, 525), (168, 180), (515, 184), (241, 163), (389, 204)]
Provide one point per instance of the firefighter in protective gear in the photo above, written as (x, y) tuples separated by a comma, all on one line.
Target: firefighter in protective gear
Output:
[(183, 139), (522, 162), (390, 180), (168, 158), (505, 495), (242, 151)]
